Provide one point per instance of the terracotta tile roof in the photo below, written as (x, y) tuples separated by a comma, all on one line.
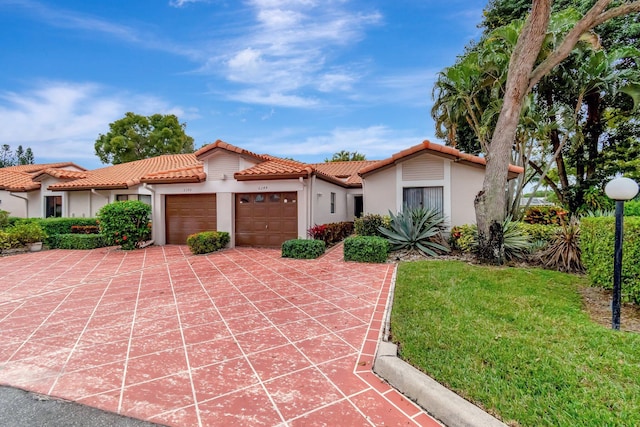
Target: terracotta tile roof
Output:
[(438, 150), (185, 174), (275, 169), (165, 168), (39, 167), (347, 172), (221, 145), (21, 178), (60, 174), (12, 180)]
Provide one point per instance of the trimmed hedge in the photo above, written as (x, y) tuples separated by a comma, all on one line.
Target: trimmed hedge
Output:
[(77, 241), (366, 249), (632, 208), (125, 223), (54, 226), (597, 236), (206, 242), (303, 248)]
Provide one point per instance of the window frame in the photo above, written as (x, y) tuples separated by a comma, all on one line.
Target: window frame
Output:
[(424, 197), (57, 208)]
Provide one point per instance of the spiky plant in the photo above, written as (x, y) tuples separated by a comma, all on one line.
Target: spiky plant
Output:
[(516, 241), (416, 230), (563, 253)]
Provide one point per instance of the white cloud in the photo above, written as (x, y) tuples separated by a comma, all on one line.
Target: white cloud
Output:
[(255, 96), (182, 3), (291, 50), (70, 116)]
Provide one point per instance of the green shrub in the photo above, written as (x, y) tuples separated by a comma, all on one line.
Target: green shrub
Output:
[(7, 241), (207, 241), (416, 230), (125, 223), (27, 232), (55, 226), (331, 233), (4, 219), (464, 238), (77, 241), (597, 236), (303, 249), (632, 208), (517, 240), (366, 249), (544, 215), (369, 224), (539, 232)]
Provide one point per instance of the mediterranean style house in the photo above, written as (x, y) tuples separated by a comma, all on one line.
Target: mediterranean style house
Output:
[(261, 200)]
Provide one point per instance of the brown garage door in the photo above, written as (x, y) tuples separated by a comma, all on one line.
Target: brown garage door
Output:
[(187, 214), (266, 219)]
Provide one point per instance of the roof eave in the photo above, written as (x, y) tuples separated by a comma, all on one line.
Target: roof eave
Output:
[(270, 176), (90, 187), (181, 180)]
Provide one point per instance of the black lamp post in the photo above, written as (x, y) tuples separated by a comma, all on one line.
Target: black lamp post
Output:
[(620, 190)]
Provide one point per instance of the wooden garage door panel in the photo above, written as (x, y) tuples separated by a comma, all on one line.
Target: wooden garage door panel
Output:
[(187, 214), (266, 219)]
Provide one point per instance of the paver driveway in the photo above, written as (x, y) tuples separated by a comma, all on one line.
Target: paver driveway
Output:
[(241, 337)]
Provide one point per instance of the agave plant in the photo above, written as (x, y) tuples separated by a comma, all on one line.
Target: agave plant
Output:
[(416, 229), (563, 253)]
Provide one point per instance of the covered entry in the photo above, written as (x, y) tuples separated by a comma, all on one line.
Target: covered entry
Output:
[(187, 214), (266, 219)]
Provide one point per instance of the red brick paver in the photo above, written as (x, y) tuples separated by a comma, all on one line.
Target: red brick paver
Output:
[(240, 337)]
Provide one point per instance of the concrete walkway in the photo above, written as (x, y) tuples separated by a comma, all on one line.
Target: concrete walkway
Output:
[(241, 337)]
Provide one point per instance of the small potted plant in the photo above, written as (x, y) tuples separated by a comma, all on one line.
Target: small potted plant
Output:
[(30, 235)]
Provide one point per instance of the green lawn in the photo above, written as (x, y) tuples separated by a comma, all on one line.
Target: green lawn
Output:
[(516, 342)]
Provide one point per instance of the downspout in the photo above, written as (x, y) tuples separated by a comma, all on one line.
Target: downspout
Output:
[(153, 212), (312, 197), (26, 201)]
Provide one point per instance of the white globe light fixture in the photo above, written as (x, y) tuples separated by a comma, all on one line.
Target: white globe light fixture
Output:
[(620, 190)]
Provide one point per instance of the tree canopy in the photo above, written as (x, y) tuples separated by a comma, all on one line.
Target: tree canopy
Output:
[(346, 156), (136, 137), (544, 88), (18, 157)]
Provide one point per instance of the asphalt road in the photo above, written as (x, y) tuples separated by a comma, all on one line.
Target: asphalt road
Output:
[(19, 408)]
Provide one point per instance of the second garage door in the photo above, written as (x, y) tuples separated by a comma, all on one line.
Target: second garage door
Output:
[(187, 214), (266, 219)]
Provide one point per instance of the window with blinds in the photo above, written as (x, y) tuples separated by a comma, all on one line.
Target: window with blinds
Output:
[(423, 197)]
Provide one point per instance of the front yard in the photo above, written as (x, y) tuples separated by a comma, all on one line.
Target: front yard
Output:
[(517, 342)]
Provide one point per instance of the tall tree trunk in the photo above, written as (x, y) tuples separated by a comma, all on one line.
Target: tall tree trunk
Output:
[(521, 78), (490, 202)]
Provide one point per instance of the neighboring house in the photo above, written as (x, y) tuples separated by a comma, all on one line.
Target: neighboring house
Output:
[(427, 175), (20, 190), (261, 200)]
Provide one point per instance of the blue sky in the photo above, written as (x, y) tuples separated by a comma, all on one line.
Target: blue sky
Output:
[(297, 78)]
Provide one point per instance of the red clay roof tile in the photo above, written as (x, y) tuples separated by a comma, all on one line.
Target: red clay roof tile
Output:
[(126, 175), (347, 172), (438, 150), (228, 147)]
